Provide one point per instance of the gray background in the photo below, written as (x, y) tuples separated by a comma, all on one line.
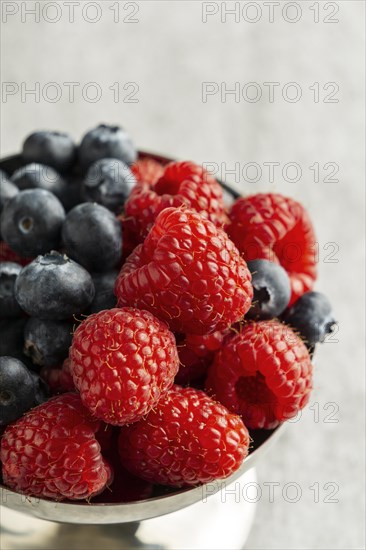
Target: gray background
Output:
[(168, 53)]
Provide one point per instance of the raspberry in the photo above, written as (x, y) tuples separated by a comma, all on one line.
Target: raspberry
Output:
[(182, 183), (196, 353), (129, 237), (264, 373), (52, 452), (147, 170), (59, 380), (188, 273), (122, 361), (187, 439), (273, 227)]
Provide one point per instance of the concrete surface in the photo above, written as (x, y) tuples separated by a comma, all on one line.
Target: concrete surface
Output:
[(167, 55)]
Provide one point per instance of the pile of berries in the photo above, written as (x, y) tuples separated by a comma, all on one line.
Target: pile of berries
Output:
[(146, 326)]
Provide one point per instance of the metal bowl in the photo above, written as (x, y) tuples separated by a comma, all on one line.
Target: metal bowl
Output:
[(98, 513)]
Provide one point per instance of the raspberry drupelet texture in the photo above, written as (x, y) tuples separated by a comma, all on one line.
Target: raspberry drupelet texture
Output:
[(264, 374), (186, 439), (122, 362), (188, 273), (277, 228), (147, 170), (181, 184), (52, 452)]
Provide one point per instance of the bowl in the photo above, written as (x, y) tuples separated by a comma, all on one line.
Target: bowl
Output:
[(156, 506)]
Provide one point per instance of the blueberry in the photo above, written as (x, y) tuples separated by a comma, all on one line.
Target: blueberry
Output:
[(17, 389), (34, 176), (7, 191), (54, 287), (108, 182), (312, 316), (41, 389), (55, 149), (12, 337), (12, 341), (3, 176), (104, 291), (272, 291), (72, 194), (92, 237), (31, 222), (9, 272), (47, 342), (106, 142)]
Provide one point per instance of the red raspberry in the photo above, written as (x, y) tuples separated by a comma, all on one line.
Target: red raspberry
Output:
[(264, 373), (188, 273), (182, 183), (122, 361), (59, 380), (129, 237), (147, 170), (273, 227), (52, 452), (196, 354), (187, 439), (7, 255)]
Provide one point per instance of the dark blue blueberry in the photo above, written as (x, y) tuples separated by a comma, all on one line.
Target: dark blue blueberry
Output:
[(108, 182), (9, 272), (17, 390), (47, 342), (271, 290), (39, 176), (12, 340), (7, 191), (104, 291), (31, 222), (55, 149), (12, 337), (92, 237), (41, 389), (106, 141), (72, 194), (54, 287), (311, 316)]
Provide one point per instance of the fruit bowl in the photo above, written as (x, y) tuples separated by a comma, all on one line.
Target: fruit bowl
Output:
[(160, 503)]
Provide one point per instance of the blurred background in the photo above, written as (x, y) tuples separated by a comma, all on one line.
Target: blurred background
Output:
[(271, 96)]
